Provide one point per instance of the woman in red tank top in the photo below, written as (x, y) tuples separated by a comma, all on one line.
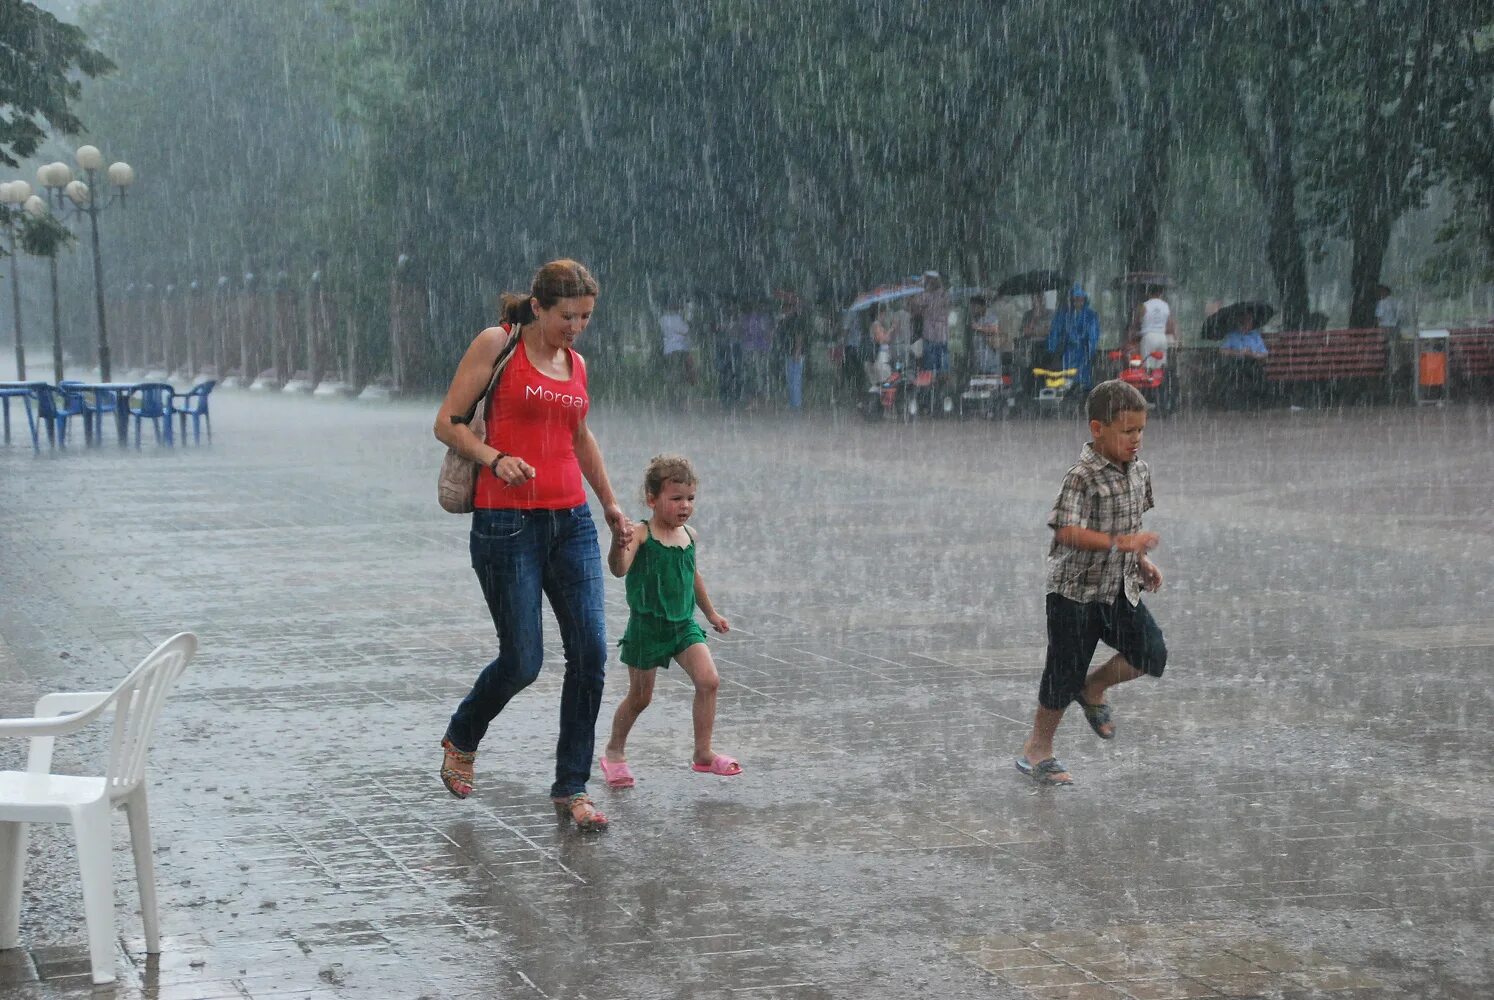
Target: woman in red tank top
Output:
[(532, 532)]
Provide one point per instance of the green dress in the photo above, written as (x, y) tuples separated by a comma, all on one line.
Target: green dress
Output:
[(661, 604)]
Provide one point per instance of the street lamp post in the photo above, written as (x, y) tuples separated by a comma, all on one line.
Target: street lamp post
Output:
[(57, 179), (193, 326), (14, 194)]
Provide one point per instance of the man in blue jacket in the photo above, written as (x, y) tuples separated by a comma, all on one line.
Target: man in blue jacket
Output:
[(1075, 335)]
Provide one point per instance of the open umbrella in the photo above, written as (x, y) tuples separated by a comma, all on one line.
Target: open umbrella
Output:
[(1031, 282), (886, 293), (1222, 322)]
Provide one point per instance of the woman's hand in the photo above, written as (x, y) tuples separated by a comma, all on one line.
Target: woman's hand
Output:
[(622, 528), (513, 470), (718, 623)]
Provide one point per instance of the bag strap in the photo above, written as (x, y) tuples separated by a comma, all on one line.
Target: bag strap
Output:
[(504, 354)]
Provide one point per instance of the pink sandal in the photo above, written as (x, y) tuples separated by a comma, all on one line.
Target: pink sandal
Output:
[(617, 773), (720, 764)]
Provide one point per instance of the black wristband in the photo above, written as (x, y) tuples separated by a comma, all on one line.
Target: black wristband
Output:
[(493, 465)]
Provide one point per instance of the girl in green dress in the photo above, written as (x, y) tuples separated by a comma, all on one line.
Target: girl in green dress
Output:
[(664, 589)]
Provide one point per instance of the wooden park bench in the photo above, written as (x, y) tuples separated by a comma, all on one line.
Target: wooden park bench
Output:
[(1326, 355), (1471, 353), (1328, 361)]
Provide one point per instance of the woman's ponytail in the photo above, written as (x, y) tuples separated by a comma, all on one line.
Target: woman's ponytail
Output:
[(515, 309)]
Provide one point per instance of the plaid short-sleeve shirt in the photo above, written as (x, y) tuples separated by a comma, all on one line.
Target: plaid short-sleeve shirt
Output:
[(1099, 495)]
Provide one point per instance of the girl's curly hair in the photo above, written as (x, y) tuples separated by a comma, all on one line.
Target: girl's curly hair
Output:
[(667, 469)]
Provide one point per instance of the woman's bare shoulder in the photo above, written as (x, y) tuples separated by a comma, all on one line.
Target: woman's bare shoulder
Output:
[(489, 341)]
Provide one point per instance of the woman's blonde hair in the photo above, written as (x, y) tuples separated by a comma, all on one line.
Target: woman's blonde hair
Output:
[(559, 279), (667, 469)]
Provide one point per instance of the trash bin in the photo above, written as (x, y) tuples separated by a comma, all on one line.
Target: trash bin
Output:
[(1431, 367)]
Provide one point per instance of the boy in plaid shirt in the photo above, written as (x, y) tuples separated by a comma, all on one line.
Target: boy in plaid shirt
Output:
[(1097, 569)]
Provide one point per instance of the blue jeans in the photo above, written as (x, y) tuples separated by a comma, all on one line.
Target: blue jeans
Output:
[(793, 370), (519, 554)]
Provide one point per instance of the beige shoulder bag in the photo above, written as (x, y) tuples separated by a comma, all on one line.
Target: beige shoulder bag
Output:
[(457, 482)]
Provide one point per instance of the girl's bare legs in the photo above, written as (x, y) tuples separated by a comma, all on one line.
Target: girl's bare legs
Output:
[(697, 663), (640, 693)]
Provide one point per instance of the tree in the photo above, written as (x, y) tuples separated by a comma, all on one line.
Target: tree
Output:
[(1382, 63), (1464, 148), (1262, 61), (39, 56), (1153, 68)]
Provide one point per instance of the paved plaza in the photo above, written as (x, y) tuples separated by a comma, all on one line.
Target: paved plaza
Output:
[(1302, 807)]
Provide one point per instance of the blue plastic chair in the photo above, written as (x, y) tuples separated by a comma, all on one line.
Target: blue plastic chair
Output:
[(194, 404), (95, 405), (152, 401), (25, 395), (53, 407)]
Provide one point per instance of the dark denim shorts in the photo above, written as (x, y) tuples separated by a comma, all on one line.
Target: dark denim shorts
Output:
[(1075, 628)]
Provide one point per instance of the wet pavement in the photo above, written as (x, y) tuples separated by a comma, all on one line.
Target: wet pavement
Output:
[(1302, 807)]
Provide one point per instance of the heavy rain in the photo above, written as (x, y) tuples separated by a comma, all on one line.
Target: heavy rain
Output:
[(955, 499)]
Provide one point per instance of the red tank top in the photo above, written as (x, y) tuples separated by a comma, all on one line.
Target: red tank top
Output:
[(535, 417)]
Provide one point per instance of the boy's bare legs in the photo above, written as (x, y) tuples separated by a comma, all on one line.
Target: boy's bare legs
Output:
[(640, 693), (1116, 670), (696, 661), (1039, 745)]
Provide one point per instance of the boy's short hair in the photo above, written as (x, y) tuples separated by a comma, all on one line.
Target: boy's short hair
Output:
[(1109, 400)]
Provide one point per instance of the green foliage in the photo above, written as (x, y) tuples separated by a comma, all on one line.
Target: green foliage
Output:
[(39, 59), (43, 236), (1464, 147)]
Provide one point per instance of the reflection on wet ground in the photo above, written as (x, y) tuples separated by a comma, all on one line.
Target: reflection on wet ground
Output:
[(1300, 808)]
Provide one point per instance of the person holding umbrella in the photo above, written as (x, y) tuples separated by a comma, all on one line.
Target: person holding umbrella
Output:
[(933, 306), (1243, 365), (1245, 340), (1034, 326)]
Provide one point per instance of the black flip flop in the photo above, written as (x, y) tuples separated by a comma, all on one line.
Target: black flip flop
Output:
[(1097, 716), (1044, 771)]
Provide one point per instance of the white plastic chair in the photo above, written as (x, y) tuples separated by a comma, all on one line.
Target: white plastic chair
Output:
[(38, 796)]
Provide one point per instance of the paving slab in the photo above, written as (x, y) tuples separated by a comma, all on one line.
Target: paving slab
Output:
[(1301, 807)]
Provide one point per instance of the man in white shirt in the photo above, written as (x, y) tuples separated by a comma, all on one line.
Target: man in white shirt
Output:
[(1387, 308)]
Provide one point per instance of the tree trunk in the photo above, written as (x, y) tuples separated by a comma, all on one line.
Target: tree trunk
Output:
[(1284, 249), (1142, 225), (1389, 153), (1487, 188), (1371, 235)]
